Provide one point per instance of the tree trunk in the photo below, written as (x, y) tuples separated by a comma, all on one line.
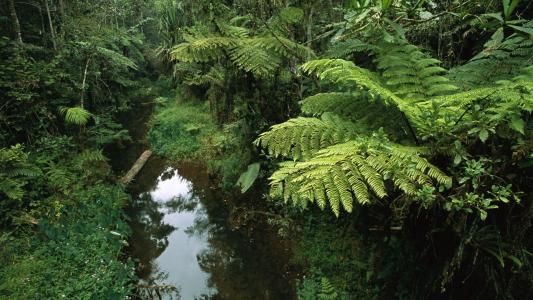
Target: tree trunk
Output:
[(62, 8), (82, 96), (309, 32), (137, 166), (52, 31), (15, 21)]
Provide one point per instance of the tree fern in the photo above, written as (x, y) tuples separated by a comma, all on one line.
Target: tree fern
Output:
[(116, 58), (332, 168), (359, 107), (253, 58), (260, 55), (348, 75), (202, 49)]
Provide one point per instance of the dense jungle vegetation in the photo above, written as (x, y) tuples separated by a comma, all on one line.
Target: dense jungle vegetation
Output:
[(390, 140)]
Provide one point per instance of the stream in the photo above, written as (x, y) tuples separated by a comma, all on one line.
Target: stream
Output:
[(185, 233)]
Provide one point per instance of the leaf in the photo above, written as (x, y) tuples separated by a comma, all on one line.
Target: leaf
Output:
[(516, 260), (248, 177), (509, 7), (75, 115), (496, 16), (496, 39), (482, 215), (522, 29), (483, 135), (517, 124)]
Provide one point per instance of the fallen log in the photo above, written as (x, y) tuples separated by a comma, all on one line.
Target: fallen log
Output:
[(137, 166)]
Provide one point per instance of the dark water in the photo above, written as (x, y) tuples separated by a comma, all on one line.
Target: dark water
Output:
[(187, 234), (184, 234)]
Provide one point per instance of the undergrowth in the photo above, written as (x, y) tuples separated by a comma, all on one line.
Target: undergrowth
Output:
[(185, 131), (64, 240)]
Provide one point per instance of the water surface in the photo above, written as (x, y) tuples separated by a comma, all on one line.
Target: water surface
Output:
[(183, 235)]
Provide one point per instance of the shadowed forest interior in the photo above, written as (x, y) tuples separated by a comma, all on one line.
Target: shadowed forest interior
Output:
[(276, 149)]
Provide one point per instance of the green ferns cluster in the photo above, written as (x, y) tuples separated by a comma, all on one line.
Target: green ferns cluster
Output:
[(340, 154), (260, 54), (15, 173), (502, 57)]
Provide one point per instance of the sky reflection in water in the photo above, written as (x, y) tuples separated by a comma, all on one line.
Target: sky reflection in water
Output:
[(179, 259)]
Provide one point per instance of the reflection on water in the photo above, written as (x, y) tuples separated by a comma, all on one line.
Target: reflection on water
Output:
[(182, 237)]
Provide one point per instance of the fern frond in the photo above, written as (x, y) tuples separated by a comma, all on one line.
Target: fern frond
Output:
[(358, 107), (282, 46), (15, 171), (11, 188), (300, 138), (347, 73), (349, 47), (327, 290), (75, 115), (499, 60), (232, 31), (343, 104), (411, 73), (116, 58), (253, 58), (202, 49), (90, 156), (353, 169)]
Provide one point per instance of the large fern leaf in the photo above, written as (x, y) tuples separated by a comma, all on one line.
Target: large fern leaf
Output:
[(347, 74), (411, 73), (202, 49), (300, 138), (355, 169)]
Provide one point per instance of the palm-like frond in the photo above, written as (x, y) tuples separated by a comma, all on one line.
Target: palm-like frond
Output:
[(411, 73), (347, 74), (355, 169), (300, 138), (75, 115), (202, 49)]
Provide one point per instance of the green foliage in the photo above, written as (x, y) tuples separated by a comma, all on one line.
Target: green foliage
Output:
[(411, 73), (15, 173), (58, 206), (300, 138), (501, 58), (454, 160), (74, 257), (247, 179), (327, 291), (75, 115), (260, 56), (183, 131), (325, 251), (355, 169)]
